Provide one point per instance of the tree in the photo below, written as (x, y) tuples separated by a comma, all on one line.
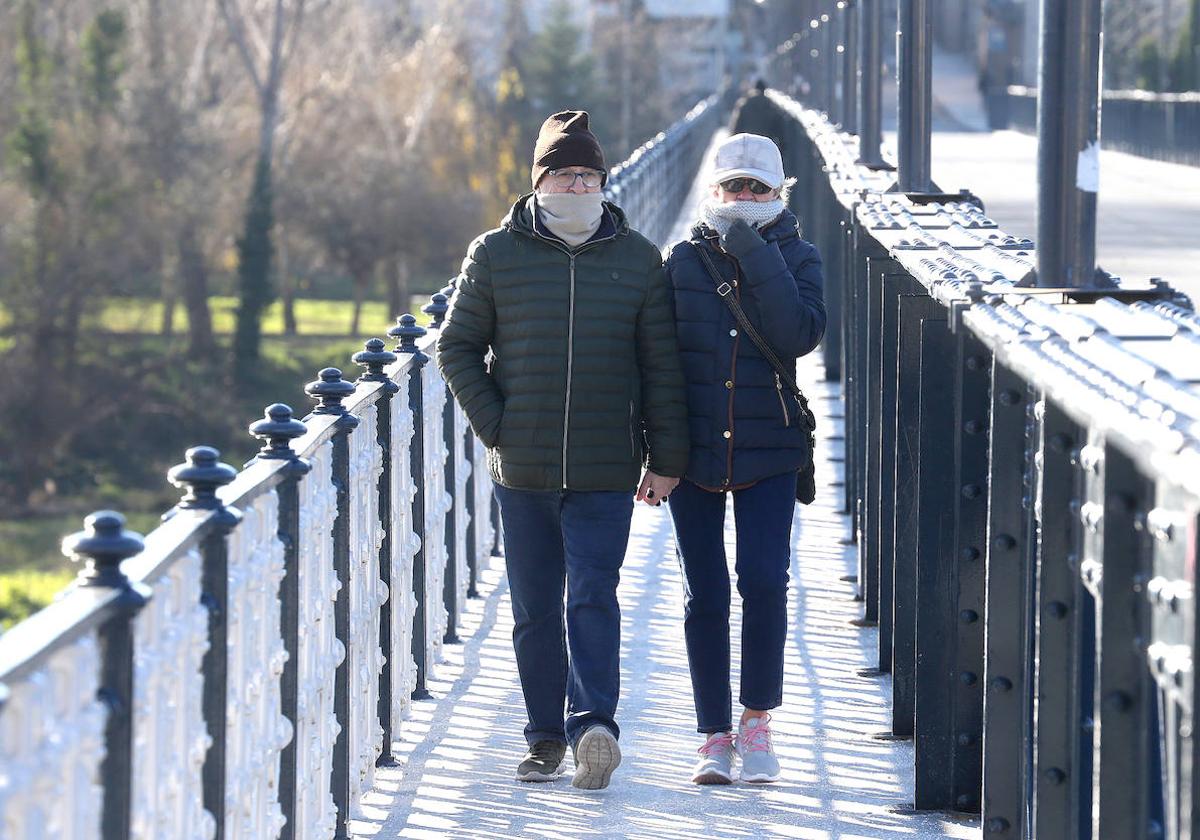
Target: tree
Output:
[(559, 72), (265, 59)]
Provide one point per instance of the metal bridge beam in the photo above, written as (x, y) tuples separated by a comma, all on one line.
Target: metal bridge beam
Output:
[(1068, 119), (914, 75), (870, 114)]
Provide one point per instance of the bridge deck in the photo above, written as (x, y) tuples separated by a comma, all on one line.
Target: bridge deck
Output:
[(460, 749)]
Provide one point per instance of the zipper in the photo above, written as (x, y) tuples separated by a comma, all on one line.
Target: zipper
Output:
[(632, 443), (787, 421), (570, 364), (570, 332)]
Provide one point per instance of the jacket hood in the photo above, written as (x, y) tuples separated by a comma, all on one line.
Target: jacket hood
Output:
[(782, 229), (520, 217)]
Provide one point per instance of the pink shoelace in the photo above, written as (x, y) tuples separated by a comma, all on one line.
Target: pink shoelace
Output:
[(758, 737), (717, 743)]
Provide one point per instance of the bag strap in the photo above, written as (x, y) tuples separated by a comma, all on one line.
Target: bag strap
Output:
[(788, 378)]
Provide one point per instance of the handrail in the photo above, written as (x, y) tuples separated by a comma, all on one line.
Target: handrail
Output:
[(1163, 126), (1021, 475)]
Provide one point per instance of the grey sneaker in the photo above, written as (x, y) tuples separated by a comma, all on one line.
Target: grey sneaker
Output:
[(596, 757), (715, 766), (759, 763), (543, 763)]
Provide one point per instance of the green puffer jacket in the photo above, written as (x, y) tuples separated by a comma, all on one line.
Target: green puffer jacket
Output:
[(584, 385)]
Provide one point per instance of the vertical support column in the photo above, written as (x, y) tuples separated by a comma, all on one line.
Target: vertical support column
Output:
[(1068, 142), (829, 64), (407, 331), (848, 12), (375, 357), (1057, 651), (276, 430), (870, 119), (964, 671), (914, 67), (329, 391), (101, 546), (1114, 567), (869, 279), (892, 284), (913, 309), (201, 475), (1009, 613), (937, 619)]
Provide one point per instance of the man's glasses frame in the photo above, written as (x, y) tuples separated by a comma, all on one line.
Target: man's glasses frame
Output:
[(566, 179), (736, 185)]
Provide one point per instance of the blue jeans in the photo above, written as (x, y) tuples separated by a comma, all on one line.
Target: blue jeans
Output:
[(572, 541), (763, 518)]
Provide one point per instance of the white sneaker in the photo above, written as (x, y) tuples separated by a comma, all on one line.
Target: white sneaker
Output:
[(759, 763), (596, 757), (715, 766)]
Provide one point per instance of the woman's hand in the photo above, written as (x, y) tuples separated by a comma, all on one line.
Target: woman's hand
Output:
[(655, 488), (741, 239)]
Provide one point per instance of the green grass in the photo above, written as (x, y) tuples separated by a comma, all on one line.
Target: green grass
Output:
[(24, 593), (32, 567), (313, 317)]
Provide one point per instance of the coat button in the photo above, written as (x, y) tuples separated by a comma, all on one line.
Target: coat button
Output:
[(727, 434), (729, 384), (616, 275), (733, 332)]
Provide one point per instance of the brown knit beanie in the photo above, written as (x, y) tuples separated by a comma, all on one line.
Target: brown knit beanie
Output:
[(566, 140)]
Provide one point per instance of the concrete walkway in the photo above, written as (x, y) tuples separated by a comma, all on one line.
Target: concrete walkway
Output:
[(460, 750)]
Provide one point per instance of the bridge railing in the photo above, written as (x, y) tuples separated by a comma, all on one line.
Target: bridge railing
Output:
[(1021, 474), (652, 185), (1164, 126), (241, 671)]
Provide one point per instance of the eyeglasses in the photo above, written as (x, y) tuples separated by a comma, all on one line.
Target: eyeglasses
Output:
[(736, 185), (566, 179)]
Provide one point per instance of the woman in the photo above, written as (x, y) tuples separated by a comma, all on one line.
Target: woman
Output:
[(747, 439)]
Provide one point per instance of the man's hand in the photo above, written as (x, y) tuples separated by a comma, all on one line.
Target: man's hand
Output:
[(655, 488)]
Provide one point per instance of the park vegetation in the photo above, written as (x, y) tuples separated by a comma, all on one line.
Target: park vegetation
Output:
[(202, 202)]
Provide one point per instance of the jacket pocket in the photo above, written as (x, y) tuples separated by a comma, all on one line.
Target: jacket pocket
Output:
[(787, 420)]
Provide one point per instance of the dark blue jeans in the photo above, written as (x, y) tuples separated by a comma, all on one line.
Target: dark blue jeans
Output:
[(572, 541), (763, 519)]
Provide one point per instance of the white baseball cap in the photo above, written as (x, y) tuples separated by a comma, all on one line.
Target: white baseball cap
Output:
[(748, 156)]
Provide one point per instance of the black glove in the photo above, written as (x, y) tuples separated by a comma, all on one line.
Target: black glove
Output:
[(741, 239)]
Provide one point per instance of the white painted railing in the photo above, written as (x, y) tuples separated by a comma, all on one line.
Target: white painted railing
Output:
[(240, 652)]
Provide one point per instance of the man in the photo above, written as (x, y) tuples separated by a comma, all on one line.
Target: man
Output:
[(560, 347)]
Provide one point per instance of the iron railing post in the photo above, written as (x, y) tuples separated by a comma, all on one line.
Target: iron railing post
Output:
[(407, 331), (436, 309), (276, 430), (1068, 143), (375, 357), (202, 475), (102, 545), (914, 76), (329, 390)]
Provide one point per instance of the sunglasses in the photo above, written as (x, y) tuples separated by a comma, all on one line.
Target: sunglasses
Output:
[(736, 185)]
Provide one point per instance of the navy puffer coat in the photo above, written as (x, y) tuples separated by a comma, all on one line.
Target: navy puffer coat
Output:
[(743, 427)]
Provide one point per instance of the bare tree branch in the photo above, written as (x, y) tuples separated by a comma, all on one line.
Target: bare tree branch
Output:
[(234, 22)]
